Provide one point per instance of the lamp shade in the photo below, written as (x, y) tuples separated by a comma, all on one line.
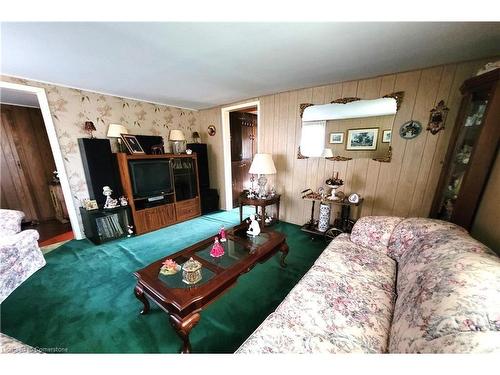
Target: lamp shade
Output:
[(114, 130), (262, 164), (327, 153), (176, 135)]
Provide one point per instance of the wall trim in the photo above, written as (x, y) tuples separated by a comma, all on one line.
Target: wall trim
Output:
[(226, 146), (55, 147)]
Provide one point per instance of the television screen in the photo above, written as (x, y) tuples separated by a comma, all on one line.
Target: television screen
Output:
[(150, 177)]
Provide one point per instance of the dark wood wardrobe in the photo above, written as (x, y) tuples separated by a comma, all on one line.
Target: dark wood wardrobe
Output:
[(243, 129)]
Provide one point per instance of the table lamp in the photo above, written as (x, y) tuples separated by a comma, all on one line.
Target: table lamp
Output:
[(115, 131), (262, 164), (177, 138)]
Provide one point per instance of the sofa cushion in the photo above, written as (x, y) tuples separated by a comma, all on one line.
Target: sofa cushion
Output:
[(374, 232), (462, 342), (409, 232), (448, 289), (331, 309)]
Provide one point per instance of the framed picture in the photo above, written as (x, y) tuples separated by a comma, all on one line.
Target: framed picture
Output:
[(133, 145), (362, 139), (90, 204), (386, 136), (337, 138)]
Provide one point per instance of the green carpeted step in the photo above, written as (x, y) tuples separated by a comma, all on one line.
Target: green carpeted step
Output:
[(83, 299)]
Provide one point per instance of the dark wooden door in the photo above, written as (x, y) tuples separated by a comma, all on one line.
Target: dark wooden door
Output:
[(29, 163), (243, 147)]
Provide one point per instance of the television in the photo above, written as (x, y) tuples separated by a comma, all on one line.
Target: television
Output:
[(151, 177)]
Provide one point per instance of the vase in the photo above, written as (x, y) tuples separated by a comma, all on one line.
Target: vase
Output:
[(324, 217)]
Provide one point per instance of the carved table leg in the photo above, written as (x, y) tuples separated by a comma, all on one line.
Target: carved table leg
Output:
[(284, 252), (183, 327), (139, 293)]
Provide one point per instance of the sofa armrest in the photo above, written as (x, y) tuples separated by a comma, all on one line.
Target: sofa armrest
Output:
[(10, 221), (374, 232)]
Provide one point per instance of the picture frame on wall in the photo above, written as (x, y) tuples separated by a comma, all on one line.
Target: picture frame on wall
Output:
[(386, 136), (337, 138), (132, 144), (362, 139)]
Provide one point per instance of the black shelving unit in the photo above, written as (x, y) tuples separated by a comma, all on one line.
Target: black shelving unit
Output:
[(103, 225)]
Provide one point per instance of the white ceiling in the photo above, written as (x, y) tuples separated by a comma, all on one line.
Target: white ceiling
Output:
[(16, 97), (200, 65)]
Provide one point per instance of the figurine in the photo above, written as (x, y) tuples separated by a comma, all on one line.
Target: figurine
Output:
[(222, 234), (169, 267), (123, 201), (130, 230), (110, 202), (217, 250), (254, 229)]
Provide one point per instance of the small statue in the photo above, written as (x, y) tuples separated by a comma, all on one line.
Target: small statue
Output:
[(254, 228), (222, 234), (110, 202), (130, 230), (123, 201), (217, 250)]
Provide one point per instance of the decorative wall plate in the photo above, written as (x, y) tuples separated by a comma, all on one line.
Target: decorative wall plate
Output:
[(410, 129), (211, 130)]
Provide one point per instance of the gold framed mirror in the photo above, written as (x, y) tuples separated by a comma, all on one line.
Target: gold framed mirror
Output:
[(349, 128)]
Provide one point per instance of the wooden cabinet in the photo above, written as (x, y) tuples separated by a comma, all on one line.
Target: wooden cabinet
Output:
[(472, 151), (187, 209), (154, 218), (173, 207)]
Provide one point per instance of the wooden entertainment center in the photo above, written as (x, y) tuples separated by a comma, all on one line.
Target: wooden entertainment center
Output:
[(173, 207)]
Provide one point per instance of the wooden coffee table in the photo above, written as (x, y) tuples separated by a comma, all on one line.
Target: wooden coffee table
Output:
[(182, 302)]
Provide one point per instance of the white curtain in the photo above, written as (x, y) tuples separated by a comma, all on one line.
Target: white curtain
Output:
[(312, 141)]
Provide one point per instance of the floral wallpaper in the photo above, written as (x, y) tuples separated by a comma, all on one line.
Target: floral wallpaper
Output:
[(70, 108)]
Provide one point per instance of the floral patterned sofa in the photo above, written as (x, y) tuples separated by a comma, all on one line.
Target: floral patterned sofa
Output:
[(20, 256), (394, 285)]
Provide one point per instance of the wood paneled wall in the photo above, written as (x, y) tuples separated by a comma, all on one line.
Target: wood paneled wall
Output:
[(403, 187)]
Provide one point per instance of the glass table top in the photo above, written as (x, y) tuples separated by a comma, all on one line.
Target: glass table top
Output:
[(234, 252)]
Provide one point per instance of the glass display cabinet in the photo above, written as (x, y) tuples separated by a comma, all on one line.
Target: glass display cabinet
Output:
[(472, 151)]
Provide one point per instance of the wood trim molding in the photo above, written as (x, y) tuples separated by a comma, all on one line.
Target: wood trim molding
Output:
[(399, 95), (345, 100), (300, 156), (338, 158), (303, 106)]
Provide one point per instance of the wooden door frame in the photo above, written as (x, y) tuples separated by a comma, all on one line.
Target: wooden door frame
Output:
[(227, 204), (55, 147)]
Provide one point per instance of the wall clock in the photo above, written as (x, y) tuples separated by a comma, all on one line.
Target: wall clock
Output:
[(410, 129)]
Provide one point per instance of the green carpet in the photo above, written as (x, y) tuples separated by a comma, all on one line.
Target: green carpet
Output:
[(83, 299)]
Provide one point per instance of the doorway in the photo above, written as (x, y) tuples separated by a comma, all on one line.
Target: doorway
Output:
[(240, 138), (243, 130), (29, 179)]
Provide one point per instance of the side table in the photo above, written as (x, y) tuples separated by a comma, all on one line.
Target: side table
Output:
[(262, 203)]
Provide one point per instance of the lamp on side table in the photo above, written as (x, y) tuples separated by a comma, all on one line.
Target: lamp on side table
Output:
[(262, 164)]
